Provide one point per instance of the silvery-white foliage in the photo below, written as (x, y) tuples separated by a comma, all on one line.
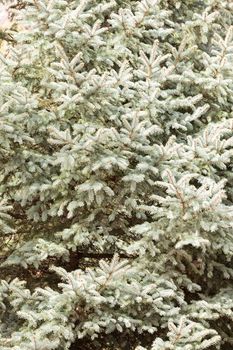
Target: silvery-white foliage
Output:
[(116, 150)]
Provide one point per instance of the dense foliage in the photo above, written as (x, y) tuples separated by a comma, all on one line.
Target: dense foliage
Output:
[(116, 145)]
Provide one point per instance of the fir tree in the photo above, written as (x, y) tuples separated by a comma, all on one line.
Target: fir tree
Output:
[(116, 147)]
